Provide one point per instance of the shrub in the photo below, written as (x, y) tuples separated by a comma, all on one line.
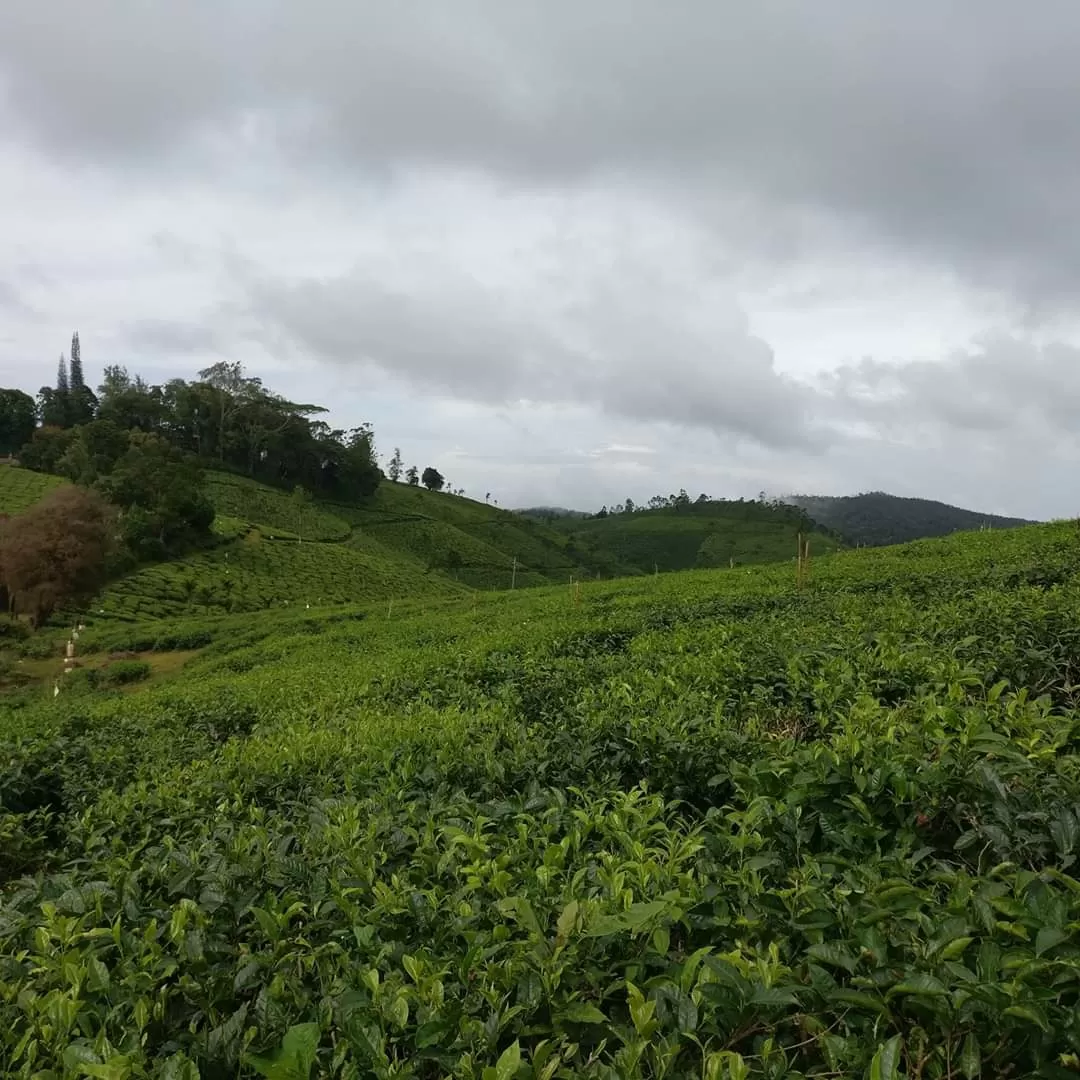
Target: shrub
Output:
[(123, 672)]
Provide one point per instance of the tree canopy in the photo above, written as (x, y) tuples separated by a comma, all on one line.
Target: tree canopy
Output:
[(225, 418), (55, 552), (432, 479), (18, 418)]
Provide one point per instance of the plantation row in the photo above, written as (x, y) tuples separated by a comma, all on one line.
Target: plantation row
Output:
[(21, 488), (700, 825)]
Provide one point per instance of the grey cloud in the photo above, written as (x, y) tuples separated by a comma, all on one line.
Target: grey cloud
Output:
[(170, 337), (945, 131), (629, 346), (10, 298), (1005, 388)]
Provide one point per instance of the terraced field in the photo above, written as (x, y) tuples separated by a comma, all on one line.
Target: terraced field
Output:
[(255, 572), (278, 510), (21, 488)]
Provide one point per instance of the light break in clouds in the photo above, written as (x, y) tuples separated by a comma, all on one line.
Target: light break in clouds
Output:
[(573, 254)]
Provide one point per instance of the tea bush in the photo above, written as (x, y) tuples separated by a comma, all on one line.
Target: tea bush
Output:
[(21, 488), (122, 672), (257, 504), (701, 825)]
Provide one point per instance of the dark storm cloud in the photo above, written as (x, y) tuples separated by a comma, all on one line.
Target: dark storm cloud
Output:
[(946, 131)]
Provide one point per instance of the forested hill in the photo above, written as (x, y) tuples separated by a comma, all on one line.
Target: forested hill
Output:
[(675, 533), (876, 518)]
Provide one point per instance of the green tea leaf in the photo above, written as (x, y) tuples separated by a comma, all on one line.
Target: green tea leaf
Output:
[(955, 947), (399, 1010), (567, 922), (509, 1062), (1047, 938), (294, 1059), (97, 975), (1031, 1013), (581, 1012), (885, 1064), (971, 1057), (921, 985), (833, 956)]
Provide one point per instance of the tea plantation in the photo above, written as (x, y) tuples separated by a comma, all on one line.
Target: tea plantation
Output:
[(701, 825), (21, 488)]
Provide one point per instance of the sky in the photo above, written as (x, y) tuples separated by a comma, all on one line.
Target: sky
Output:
[(573, 254)]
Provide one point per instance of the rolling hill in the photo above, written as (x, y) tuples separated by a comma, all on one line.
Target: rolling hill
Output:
[(877, 518), (273, 550), (700, 535)]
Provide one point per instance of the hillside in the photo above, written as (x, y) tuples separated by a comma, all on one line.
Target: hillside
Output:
[(700, 535), (876, 518), (274, 550), (738, 828), (21, 488)]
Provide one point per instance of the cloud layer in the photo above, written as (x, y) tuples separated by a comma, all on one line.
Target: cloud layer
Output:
[(786, 245)]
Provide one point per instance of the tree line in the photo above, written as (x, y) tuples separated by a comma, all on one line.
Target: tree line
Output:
[(225, 418), (762, 507), (137, 451)]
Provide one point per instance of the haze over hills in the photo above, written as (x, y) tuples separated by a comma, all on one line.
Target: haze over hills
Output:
[(875, 518)]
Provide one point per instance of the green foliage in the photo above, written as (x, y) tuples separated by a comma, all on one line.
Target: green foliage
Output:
[(477, 541), (123, 672), (156, 486), (270, 507), (47, 448), (18, 419), (699, 825), (682, 535), (432, 479), (876, 518), (256, 572)]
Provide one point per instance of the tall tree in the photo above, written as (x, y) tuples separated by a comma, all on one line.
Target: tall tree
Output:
[(51, 407), (82, 400), (231, 389), (54, 403), (129, 402), (393, 470), (18, 419), (76, 379)]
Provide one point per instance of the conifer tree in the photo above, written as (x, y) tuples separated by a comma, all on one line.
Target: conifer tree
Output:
[(77, 381), (82, 401)]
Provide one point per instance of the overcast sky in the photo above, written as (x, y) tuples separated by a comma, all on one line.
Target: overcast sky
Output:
[(573, 253)]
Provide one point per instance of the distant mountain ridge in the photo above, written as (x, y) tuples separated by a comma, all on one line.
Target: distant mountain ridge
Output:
[(876, 518)]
